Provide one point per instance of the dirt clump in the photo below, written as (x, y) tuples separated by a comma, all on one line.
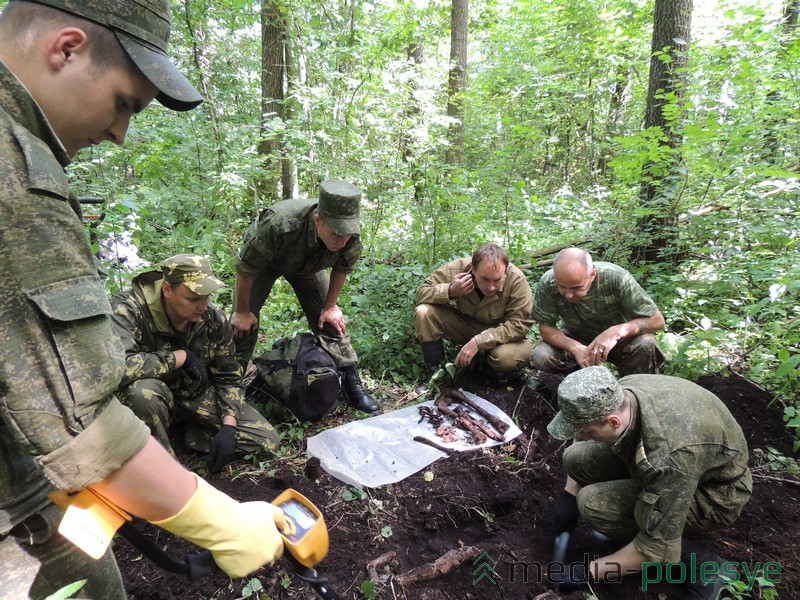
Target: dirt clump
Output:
[(495, 502)]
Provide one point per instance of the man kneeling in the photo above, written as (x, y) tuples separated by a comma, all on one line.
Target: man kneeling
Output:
[(659, 457), (180, 363)]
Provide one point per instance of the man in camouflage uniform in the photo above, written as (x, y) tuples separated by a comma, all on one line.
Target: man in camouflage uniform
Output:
[(484, 304), (606, 316), (180, 364), (660, 457), (299, 240), (72, 74)]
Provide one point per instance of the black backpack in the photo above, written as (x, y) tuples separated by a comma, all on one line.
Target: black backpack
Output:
[(300, 375)]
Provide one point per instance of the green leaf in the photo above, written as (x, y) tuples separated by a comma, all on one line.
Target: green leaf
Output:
[(67, 591)]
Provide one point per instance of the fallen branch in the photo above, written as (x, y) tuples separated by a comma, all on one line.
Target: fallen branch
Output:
[(382, 560), (777, 479), (432, 444), (441, 566), (554, 249)]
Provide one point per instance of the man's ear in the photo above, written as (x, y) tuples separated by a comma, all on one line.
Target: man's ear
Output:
[(614, 420), (166, 289), (63, 44)]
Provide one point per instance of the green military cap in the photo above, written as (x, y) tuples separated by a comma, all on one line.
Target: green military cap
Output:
[(339, 204), (584, 397), (142, 28), (192, 271)]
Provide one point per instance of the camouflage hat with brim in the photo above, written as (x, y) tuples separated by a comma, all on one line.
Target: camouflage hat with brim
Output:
[(339, 206), (142, 28), (584, 396), (193, 271)]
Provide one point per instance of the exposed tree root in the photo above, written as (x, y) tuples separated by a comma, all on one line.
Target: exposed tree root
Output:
[(441, 566)]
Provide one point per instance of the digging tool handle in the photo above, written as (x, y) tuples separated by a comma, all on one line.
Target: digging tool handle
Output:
[(560, 547), (193, 566), (311, 577)]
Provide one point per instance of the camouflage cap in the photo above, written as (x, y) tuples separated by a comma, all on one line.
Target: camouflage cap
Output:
[(142, 28), (583, 397), (192, 271), (339, 205)]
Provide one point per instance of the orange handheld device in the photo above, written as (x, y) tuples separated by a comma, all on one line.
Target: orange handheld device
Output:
[(308, 542)]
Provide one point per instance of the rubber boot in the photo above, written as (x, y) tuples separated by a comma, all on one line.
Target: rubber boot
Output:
[(357, 396), (702, 583), (433, 355)]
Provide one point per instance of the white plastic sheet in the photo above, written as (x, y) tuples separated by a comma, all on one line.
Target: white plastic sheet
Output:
[(381, 450)]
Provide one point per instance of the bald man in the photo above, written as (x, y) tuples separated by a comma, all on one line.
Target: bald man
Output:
[(590, 313)]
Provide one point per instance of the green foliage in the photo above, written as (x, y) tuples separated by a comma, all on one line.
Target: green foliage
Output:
[(252, 588), (381, 314), (739, 589), (776, 461), (351, 494), (368, 589), (554, 150), (67, 591)]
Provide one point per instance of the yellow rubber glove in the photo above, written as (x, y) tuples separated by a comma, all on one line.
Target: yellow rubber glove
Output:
[(242, 536)]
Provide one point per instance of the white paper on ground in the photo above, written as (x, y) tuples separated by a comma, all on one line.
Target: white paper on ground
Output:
[(381, 450)]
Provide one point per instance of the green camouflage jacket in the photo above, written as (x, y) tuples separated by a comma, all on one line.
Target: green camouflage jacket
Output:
[(283, 240), (615, 297), (683, 444), (506, 314), (149, 341), (60, 361)]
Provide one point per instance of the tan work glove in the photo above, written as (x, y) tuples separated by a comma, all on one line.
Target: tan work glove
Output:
[(242, 536)]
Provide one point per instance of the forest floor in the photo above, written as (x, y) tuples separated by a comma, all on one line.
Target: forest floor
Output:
[(498, 501)]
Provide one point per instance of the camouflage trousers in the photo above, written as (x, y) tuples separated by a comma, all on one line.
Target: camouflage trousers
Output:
[(631, 356), (436, 321), (311, 290), (608, 498), (37, 561), (153, 402)]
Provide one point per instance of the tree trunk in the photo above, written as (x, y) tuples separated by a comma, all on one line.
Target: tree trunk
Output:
[(790, 12), (196, 31), (457, 81), (661, 179), (770, 137), (272, 97)]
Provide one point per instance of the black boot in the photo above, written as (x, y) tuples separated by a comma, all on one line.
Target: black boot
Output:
[(702, 582), (433, 355), (357, 396)]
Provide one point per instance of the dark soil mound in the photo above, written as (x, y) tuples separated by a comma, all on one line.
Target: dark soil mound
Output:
[(499, 502)]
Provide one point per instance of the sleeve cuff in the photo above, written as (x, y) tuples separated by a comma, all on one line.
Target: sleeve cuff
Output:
[(658, 551), (111, 439)]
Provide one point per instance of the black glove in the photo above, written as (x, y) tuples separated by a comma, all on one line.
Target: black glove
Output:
[(567, 513), (196, 372), (223, 447), (573, 578)]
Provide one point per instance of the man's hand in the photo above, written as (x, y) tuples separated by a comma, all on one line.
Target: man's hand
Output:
[(602, 346), (243, 323), (242, 536), (461, 286), (333, 316), (197, 373), (566, 511), (223, 448), (583, 356), (467, 353)]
